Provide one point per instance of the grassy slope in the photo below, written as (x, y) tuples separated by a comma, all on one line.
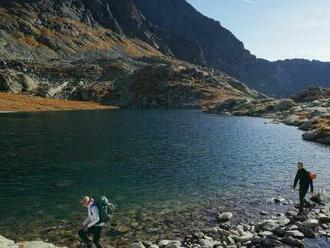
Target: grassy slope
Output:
[(12, 102)]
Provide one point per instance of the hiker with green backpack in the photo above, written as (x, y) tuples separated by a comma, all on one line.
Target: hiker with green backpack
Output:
[(99, 212)]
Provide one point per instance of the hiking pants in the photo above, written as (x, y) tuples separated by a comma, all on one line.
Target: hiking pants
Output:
[(95, 231), (302, 194)]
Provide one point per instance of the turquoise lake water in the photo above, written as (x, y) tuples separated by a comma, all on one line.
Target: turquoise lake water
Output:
[(160, 167)]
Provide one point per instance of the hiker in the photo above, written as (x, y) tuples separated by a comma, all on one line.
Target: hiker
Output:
[(305, 179), (92, 224)]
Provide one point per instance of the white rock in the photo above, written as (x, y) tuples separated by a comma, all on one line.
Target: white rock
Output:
[(225, 216), (311, 223), (4, 243), (296, 234), (269, 225), (265, 233), (137, 245), (206, 242), (169, 243), (36, 244)]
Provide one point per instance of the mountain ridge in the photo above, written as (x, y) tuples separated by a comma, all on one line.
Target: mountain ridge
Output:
[(273, 78), (71, 33), (61, 49)]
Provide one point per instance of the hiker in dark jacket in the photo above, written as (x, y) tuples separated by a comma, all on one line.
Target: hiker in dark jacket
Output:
[(305, 181), (92, 224)]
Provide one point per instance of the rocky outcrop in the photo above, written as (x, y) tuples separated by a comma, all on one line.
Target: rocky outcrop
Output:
[(16, 82), (143, 83), (309, 110)]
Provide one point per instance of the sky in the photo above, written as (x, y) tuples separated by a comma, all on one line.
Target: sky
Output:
[(275, 29)]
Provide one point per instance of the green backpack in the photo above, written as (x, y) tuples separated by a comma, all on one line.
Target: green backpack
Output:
[(106, 209)]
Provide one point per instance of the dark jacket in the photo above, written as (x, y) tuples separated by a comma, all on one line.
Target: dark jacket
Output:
[(304, 180)]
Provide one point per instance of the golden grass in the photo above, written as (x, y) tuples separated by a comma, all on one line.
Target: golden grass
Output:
[(30, 40), (325, 125), (20, 103), (47, 32)]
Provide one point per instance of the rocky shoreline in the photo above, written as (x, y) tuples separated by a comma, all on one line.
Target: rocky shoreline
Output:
[(281, 230), (278, 230), (309, 110)]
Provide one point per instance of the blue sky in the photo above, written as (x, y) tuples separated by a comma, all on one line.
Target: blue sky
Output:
[(275, 29)]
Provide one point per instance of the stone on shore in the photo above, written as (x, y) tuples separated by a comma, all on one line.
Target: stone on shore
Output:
[(319, 135), (169, 244), (267, 225), (226, 216), (311, 223), (7, 243), (137, 245)]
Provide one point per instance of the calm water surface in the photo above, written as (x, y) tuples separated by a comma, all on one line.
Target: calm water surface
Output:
[(159, 166)]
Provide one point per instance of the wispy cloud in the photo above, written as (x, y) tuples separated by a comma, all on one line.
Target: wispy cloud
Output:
[(249, 1)]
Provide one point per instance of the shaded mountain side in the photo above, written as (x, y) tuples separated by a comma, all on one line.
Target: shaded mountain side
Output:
[(142, 83), (216, 46), (94, 50)]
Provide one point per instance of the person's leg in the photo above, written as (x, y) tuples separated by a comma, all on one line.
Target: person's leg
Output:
[(96, 236), (84, 237), (304, 193), (301, 200)]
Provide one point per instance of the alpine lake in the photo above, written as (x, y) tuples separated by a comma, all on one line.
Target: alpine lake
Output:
[(167, 171)]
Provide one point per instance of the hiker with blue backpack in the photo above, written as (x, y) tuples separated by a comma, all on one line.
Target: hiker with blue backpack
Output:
[(99, 212)]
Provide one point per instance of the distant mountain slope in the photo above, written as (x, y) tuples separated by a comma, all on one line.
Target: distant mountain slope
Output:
[(100, 50), (217, 47)]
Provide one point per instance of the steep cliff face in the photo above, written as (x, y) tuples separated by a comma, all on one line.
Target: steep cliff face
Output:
[(102, 50), (219, 48), (91, 29)]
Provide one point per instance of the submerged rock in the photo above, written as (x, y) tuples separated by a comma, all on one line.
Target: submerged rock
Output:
[(226, 216)]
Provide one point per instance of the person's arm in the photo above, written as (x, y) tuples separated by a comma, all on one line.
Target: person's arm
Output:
[(95, 216), (296, 179), (86, 221), (311, 185)]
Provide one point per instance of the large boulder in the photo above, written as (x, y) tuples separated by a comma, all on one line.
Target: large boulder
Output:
[(310, 223), (7, 243), (319, 135), (293, 120), (15, 82)]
